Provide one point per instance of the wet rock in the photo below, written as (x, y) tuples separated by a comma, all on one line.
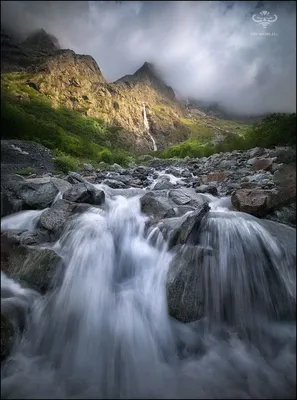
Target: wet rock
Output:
[(285, 215), (74, 177), (178, 211), (26, 237), (84, 193), (173, 171), (155, 204), (164, 183), (186, 174), (207, 189), (55, 219), (7, 337), (185, 196), (10, 202), (179, 197), (185, 302), (115, 184), (32, 267), (197, 288), (40, 192), (36, 193), (188, 231)]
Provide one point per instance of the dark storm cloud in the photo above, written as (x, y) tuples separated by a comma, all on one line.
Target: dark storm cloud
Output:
[(206, 50)]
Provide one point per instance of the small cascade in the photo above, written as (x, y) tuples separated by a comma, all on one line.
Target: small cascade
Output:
[(104, 332), (147, 128)]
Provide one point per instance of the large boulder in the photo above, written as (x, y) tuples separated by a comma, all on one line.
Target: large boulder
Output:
[(285, 215), (155, 204), (74, 177), (286, 155), (164, 183), (55, 218), (258, 202), (264, 164), (256, 152), (208, 278), (185, 291), (26, 237), (169, 203), (84, 193), (212, 189), (32, 267), (187, 232), (37, 193)]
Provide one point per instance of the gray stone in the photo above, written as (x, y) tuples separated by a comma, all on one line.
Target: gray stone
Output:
[(37, 193), (207, 189), (88, 167), (188, 231), (286, 155), (25, 237), (257, 202), (256, 152), (74, 177), (185, 290), (155, 205), (84, 193), (145, 158), (179, 197), (116, 167), (40, 192), (114, 184), (32, 267), (55, 219), (163, 183), (178, 211)]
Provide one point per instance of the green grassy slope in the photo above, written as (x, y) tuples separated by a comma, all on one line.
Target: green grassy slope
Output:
[(29, 115), (274, 130)]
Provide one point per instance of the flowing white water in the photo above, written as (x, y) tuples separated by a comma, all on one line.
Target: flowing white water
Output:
[(147, 128), (106, 333), (22, 220)]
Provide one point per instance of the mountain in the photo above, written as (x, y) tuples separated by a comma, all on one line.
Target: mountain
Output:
[(41, 41), (75, 81), (148, 75)]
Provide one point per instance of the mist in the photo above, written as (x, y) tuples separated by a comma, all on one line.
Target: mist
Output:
[(210, 51)]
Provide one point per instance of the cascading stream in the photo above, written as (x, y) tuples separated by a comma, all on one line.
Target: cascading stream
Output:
[(147, 128), (105, 331)]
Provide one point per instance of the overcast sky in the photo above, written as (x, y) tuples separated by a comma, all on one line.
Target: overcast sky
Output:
[(207, 50)]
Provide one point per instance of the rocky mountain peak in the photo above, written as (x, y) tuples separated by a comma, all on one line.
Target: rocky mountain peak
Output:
[(148, 75), (148, 69), (41, 40)]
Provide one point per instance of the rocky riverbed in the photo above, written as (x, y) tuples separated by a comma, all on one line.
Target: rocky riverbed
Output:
[(175, 195)]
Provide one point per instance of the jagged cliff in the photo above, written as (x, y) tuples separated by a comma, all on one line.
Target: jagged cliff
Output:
[(75, 81)]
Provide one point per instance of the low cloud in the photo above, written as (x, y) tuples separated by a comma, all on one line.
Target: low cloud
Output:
[(211, 51)]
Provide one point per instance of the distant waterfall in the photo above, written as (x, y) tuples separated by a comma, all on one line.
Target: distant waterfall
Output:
[(147, 128)]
